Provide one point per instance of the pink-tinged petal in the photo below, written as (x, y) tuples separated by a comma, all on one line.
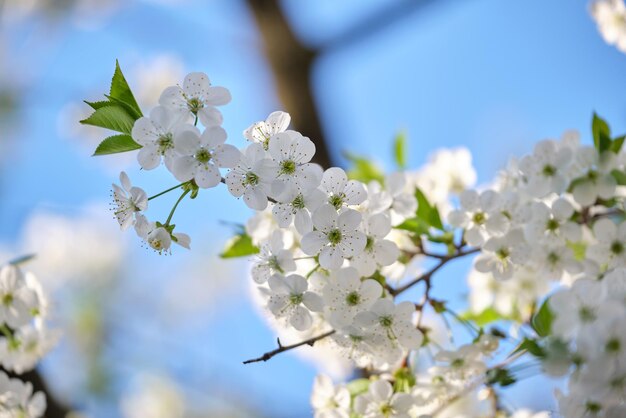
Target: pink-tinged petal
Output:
[(334, 180), (196, 85), (325, 218), (210, 116), (148, 157), (207, 176), (226, 156), (313, 242), (213, 136), (186, 142), (218, 96), (331, 258), (184, 168)]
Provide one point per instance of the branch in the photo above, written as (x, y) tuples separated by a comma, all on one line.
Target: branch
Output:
[(292, 65), (426, 276), (281, 348)]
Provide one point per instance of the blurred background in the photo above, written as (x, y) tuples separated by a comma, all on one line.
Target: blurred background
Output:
[(154, 336)]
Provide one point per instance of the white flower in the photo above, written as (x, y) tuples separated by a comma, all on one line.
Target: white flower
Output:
[(128, 200), (546, 168), (201, 156), (378, 252), (335, 236), (610, 247), (157, 237), (28, 345), (273, 258), (592, 173), (261, 132), (479, 216), (552, 225), (252, 177), (197, 98), (381, 402), (610, 15), (501, 255), (291, 153), (554, 260), (328, 400), (16, 299), (156, 136), (289, 298), (17, 399), (340, 191), (297, 208), (345, 295), (462, 364), (403, 203), (393, 322), (526, 413)]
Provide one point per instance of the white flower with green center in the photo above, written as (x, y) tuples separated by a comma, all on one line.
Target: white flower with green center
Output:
[(379, 252), (156, 136), (340, 191), (261, 132), (297, 208), (552, 225), (291, 153), (127, 200), (17, 399), (290, 299), (345, 295), (328, 400), (17, 301), (610, 248), (610, 15), (460, 365), (252, 177), (381, 402), (273, 258), (335, 237), (552, 261), (197, 98), (546, 170), (201, 156), (395, 322), (28, 345), (501, 255), (592, 176), (479, 216), (157, 237)]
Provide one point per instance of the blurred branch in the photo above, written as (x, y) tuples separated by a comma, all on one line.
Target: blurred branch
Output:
[(291, 63), (282, 348), (54, 408)]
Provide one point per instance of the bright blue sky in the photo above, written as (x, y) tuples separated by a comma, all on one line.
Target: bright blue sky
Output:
[(492, 76)]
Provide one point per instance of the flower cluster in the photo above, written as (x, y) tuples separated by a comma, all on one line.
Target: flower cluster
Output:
[(25, 340), (610, 15)]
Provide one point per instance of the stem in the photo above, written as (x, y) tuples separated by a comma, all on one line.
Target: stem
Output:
[(281, 348), (168, 190), (169, 218)]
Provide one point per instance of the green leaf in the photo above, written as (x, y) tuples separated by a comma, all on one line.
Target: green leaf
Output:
[(541, 322), (399, 150), (426, 211), (120, 91), (22, 259), (239, 246), (111, 117), (619, 176), (414, 225), (578, 248), (404, 380), (617, 143), (358, 386), (483, 318), (363, 169), (500, 376), (531, 346), (115, 144), (601, 133), (98, 105)]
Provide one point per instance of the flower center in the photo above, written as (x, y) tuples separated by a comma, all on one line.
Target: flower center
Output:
[(386, 321), (479, 218), (353, 299), (503, 253), (369, 244), (552, 225), (295, 299), (334, 236), (287, 167), (593, 407), (617, 247), (194, 104), (336, 200), (165, 142), (7, 299), (586, 314), (298, 202), (251, 179), (203, 156), (553, 258), (457, 362), (548, 170), (613, 345)]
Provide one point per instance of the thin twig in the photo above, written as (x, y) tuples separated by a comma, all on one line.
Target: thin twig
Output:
[(281, 348)]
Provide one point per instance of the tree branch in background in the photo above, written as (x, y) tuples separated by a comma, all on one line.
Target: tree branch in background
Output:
[(291, 63), (281, 348)]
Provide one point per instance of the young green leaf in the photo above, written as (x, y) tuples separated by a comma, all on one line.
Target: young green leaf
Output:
[(483, 318), (116, 144), (239, 246), (120, 91), (399, 150), (358, 386), (111, 117), (619, 176), (427, 212), (617, 143), (363, 169), (541, 322), (98, 105), (601, 133)]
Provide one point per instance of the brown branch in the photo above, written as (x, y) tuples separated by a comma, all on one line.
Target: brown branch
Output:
[(292, 65), (426, 276), (281, 348)]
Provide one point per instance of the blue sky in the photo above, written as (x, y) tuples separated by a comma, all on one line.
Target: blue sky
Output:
[(492, 76)]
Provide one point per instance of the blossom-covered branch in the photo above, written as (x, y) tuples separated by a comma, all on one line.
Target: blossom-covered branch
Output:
[(282, 348)]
